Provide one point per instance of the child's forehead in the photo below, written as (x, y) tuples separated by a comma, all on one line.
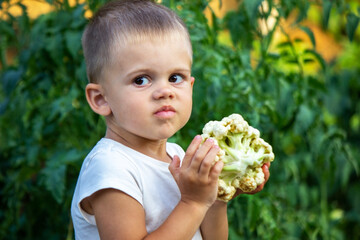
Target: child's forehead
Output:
[(121, 42), (153, 36)]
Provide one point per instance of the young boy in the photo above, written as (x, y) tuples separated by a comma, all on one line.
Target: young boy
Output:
[(134, 184)]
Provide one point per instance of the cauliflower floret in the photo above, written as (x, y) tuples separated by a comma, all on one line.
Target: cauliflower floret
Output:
[(225, 191), (213, 129), (251, 179), (243, 153)]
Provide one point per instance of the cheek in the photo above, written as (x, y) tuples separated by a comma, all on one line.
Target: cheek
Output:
[(188, 102), (123, 107), (132, 109)]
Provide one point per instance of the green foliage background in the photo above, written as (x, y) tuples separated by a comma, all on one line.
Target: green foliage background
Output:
[(311, 120)]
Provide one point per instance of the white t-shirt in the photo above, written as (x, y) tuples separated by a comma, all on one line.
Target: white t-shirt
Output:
[(113, 165)]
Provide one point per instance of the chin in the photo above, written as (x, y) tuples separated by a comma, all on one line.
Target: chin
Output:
[(164, 135)]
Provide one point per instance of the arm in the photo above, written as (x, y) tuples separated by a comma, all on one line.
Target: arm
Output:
[(118, 216), (215, 224)]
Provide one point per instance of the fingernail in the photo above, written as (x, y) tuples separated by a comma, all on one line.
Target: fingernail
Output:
[(198, 137), (209, 140)]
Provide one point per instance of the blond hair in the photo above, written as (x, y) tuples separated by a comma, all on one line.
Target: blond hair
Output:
[(121, 22)]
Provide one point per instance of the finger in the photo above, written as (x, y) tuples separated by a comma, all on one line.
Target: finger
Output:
[(266, 171), (267, 164), (191, 150), (208, 161), (215, 171), (237, 193), (258, 189), (174, 165), (200, 155)]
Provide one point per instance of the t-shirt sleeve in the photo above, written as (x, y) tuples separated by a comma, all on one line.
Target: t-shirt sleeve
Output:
[(109, 170)]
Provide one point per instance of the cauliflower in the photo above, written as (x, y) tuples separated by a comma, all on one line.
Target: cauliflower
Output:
[(243, 153)]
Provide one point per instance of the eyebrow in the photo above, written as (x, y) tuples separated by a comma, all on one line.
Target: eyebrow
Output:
[(143, 70)]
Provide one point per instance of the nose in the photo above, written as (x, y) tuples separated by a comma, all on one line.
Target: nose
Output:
[(163, 91)]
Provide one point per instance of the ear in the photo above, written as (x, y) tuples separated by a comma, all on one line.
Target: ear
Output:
[(192, 80), (96, 99)]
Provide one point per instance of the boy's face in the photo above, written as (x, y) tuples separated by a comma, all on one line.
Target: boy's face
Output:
[(149, 89)]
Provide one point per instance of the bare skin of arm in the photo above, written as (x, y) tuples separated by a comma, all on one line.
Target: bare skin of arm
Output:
[(215, 224), (119, 216)]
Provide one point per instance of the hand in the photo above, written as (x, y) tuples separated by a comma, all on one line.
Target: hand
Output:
[(266, 171), (197, 176)]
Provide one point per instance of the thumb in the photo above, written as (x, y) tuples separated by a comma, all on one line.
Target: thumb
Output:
[(174, 165)]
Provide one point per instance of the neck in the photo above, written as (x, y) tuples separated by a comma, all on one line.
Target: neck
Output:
[(153, 148)]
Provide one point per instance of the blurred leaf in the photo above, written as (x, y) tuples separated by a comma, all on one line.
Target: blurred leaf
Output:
[(3, 105), (252, 8), (10, 79), (351, 25), (284, 44), (317, 56), (54, 180), (327, 5), (352, 160), (54, 172), (309, 32), (6, 29), (73, 42), (305, 117), (54, 46)]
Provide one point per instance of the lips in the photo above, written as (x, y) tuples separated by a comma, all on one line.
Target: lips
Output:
[(165, 112)]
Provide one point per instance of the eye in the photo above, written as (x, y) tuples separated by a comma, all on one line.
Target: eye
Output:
[(176, 78), (141, 81)]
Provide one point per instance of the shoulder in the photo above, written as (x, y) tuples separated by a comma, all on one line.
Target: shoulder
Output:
[(174, 149), (109, 154), (109, 165)]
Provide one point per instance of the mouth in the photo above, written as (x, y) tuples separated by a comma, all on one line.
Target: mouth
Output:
[(165, 112)]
